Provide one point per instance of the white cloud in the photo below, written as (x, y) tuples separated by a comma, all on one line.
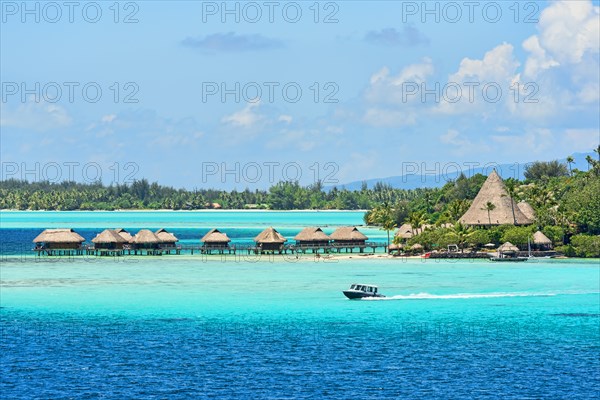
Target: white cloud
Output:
[(285, 118), (385, 88), (245, 118), (37, 116)]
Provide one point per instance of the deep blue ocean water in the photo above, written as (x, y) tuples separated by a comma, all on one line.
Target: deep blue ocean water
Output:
[(193, 327)]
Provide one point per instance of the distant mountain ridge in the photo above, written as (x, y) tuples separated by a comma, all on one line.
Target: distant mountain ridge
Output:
[(440, 174)]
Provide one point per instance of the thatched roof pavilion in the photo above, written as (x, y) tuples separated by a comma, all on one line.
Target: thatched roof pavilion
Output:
[(109, 239), (215, 238), (270, 239), (527, 210), (124, 234), (541, 240), (146, 239), (59, 239), (508, 247), (312, 236), (405, 231), (348, 235), (166, 237), (506, 210)]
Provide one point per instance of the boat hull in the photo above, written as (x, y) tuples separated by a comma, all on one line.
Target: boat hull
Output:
[(509, 259), (354, 294)]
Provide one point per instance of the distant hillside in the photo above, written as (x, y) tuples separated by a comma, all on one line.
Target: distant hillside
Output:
[(430, 180)]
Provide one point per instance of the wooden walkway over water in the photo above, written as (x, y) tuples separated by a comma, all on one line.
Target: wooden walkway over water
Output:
[(333, 248)]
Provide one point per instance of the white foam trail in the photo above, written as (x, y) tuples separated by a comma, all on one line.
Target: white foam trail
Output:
[(429, 296)]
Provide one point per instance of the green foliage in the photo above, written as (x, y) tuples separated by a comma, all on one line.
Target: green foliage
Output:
[(586, 245), (554, 233), (544, 170), (517, 235)]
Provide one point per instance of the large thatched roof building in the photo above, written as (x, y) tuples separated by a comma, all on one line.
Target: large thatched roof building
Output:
[(348, 236), (270, 239), (505, 210), (312, 236), (109, 239), (527, 210), (215, 238), (59, 239)]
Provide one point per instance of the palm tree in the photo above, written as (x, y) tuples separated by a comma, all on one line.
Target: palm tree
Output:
[(489, 206), (416, 221), (511, 188), (570, 160), (462, 233)]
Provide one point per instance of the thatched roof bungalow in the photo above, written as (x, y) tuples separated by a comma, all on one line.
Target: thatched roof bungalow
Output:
[(109, 239), (348, 236), (124, 234), (312, 236), (270, 240), (541, 241), (166, 237), (215, 238), (59, 239), (506, 210), (146, 239), (508, 247), (526, 209)]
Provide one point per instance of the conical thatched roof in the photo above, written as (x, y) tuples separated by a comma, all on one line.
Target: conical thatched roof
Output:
[(215, 236), (348, 233), (540, 238), (165, 236), (124, 234), (146, 236), (109, 236), (269, 235), (494, 191), (527, 210), (59, 236), (312, 234), (405, 231), (508, 247)]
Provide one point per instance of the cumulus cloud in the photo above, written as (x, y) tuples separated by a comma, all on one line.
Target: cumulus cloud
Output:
[(39, 116), (247, 117)]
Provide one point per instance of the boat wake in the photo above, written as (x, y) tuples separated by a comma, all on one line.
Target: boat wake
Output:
[(429, 296)]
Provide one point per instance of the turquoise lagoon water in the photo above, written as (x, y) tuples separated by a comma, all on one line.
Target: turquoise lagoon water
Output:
[(238, 327)]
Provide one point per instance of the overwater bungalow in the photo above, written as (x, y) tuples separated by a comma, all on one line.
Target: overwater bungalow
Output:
[(493, 206), (109, 242), (348, 237), (124, 234), (312, 238), (167, 240), (146, 240), (541, 241), (215, 240), (270, 240), (59, 242)]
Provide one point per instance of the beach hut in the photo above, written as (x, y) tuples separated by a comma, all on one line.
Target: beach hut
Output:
[(109, 239), (124, 234), (270, 240), (146, 240), (405, 231), (395, 247), (505, 209), (215, 240), (541, 241), (312, 237), (348, 237), (63, 240), (416, 248), (508, 248)]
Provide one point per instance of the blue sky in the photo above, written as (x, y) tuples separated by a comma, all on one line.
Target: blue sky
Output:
[(362, 111)]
